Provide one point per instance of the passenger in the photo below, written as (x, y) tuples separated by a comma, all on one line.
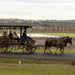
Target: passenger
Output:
[(11, 35), (5, 34), (25, 35), (16, 37), (28, 39)]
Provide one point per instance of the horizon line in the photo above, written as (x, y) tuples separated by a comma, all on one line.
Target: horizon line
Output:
[(36, 19)]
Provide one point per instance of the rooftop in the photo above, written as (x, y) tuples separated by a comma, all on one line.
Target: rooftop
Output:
[(4, 25)]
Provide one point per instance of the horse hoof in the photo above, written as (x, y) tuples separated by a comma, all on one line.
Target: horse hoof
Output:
[(48, 53), (61, 54), (51, 53), (44, 52), (55, 53)]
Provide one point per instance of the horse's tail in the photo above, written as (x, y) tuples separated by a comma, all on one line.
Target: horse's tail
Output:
[(45, 46)]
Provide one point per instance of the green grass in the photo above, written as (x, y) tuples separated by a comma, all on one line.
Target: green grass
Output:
[(39, 50), (59, 34), (66, 51), (36, 69), (62, 34), (24, 61)]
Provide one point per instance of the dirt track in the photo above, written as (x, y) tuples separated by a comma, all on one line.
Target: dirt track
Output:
[(39, 56)]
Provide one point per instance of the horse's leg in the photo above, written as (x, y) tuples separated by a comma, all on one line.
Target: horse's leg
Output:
[(45, 49), (63, 51), (56, 50), (60, 51), (49, 51)]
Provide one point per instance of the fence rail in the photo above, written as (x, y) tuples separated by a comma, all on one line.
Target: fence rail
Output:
[(54, 29)]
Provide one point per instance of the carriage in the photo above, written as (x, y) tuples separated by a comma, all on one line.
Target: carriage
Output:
[(7, 44)]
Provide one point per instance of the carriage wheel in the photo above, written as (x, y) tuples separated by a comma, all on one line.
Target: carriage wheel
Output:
[(10, 48), (27, 49), (33, 49), (3, 49), (16, 47), (24, 50)]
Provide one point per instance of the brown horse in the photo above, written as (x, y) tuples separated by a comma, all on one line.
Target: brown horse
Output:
[(58, 43)]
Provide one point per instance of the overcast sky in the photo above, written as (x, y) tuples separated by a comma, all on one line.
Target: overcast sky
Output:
[(38, 9)]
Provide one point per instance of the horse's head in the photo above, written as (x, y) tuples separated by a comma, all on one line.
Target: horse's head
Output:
[(68, 40)]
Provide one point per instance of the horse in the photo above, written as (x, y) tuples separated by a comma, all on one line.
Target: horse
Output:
[(58, 43)]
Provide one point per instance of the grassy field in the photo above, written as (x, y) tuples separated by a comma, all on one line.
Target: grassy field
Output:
[(62, 34), (59, 34), (66, 51), (38, 67), (35, 67)]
